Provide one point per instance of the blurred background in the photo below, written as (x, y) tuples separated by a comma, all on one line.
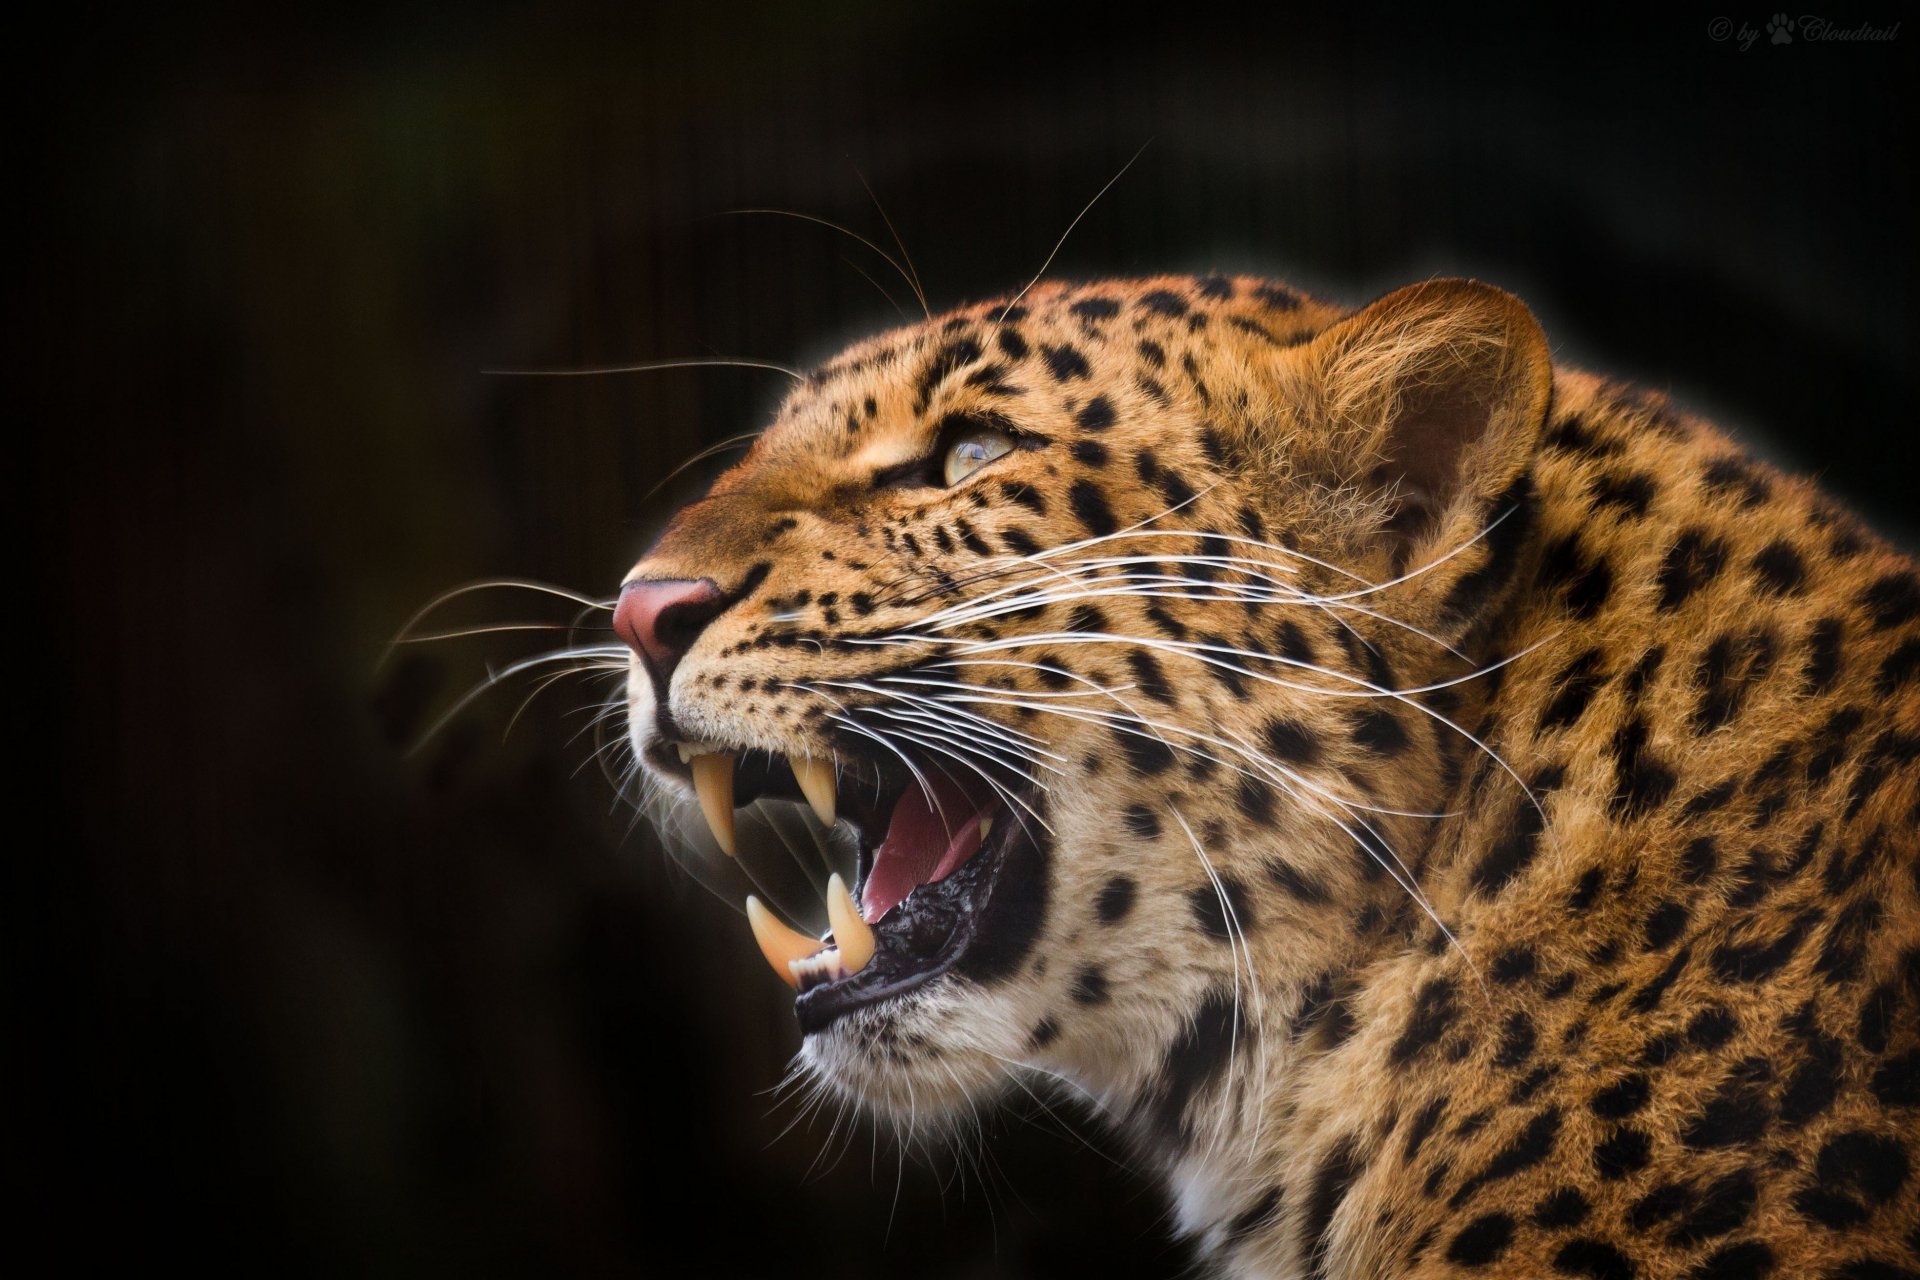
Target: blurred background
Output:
[(293, 1001)]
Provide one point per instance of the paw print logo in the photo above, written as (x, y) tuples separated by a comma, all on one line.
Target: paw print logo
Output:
[(1781, 28)]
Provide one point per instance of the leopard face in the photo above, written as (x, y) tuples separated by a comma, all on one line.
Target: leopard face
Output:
[(1092, 616)]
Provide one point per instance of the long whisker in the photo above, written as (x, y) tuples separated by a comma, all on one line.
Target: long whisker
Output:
[(648, 366), (845, 231), (1055, 252), (900, 244)]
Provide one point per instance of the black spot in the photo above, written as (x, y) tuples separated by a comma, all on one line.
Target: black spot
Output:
[(1694, 560), (1897, 1081), (955, 355), (1587, 583), (1513, 964), (1292, 644), (1594, 1258), (1563, 1208), (1644, 782), (1146, 754), (1095, 415), (1748, 1260), (1433, 1012), (1893, 599), (1291, 742), (1064, 363), (1221, 911), (1823, 655), (1086, 617), (1090, 505), (1876, 1015), (1115, 900), (1712, 1027), (1736, 1114), (1830, 742), (1648, 998), (1044, 1034), (1625, 1151), (1815, 1080), (1377, 730), (1295, 883), (1664, 924), (1254, 798), (1423, 1125), (1095, 308), (1503, 542), (1712, 799), (1722, 1208), (1175, 489), (1517, 1037), (1090, 986), (1018, 542), (1011, 343), (1331, 1182), (1528, 1148), (1195, 1060), (1276, 297), (1899, 667), (1700, 859), (1481, 1241), (1577, 684), (1149, 676), (1729, 670), (1631, 491), (1090, 453), (1753, 961), (1779, 568), (1658, 1205), (1587, 890), (1623, 1097), (1727, 473), (1164, 302), (1142, 821), (1855, 1173), (1517, 848)]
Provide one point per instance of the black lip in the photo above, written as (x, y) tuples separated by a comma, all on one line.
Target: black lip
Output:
[(928, 934)]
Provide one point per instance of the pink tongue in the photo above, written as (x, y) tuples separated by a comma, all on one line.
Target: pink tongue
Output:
[(926, 842)]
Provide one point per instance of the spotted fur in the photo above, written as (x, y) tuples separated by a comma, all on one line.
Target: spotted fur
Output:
[(1595, 952)]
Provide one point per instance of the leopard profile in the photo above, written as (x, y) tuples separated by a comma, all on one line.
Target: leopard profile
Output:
[(1453, 814)]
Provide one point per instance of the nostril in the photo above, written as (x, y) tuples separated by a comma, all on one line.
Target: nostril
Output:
[(660, 619)]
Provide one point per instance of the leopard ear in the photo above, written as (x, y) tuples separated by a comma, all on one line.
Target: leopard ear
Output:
[(1427, 407)]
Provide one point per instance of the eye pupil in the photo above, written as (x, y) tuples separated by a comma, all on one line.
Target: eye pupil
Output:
[(972, 450)]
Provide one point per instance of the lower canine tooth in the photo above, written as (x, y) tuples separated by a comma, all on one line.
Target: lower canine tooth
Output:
[(713, 781), (816, 780), (782, 947), (852, 935)]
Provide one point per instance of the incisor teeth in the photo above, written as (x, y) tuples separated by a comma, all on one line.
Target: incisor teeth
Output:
[(816, 781), (781, 945), (713, 780), (851, 934)]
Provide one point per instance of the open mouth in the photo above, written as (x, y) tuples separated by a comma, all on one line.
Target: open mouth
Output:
[(938, 843)]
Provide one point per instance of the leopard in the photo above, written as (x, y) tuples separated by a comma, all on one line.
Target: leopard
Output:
[(1443, 812)]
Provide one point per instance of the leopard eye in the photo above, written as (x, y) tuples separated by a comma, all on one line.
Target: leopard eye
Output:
[(971, 450)]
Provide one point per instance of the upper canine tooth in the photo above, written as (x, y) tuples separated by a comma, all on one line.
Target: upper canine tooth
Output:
[(816, 780), (778, 943), (713, 781), (852, 935)]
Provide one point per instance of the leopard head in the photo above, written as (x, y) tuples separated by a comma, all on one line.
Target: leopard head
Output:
[(1107, 622)]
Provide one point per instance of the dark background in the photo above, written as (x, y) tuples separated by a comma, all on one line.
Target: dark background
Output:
[(292, 1002)]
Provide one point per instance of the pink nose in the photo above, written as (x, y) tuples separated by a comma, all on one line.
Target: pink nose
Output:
[(660, 619)]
